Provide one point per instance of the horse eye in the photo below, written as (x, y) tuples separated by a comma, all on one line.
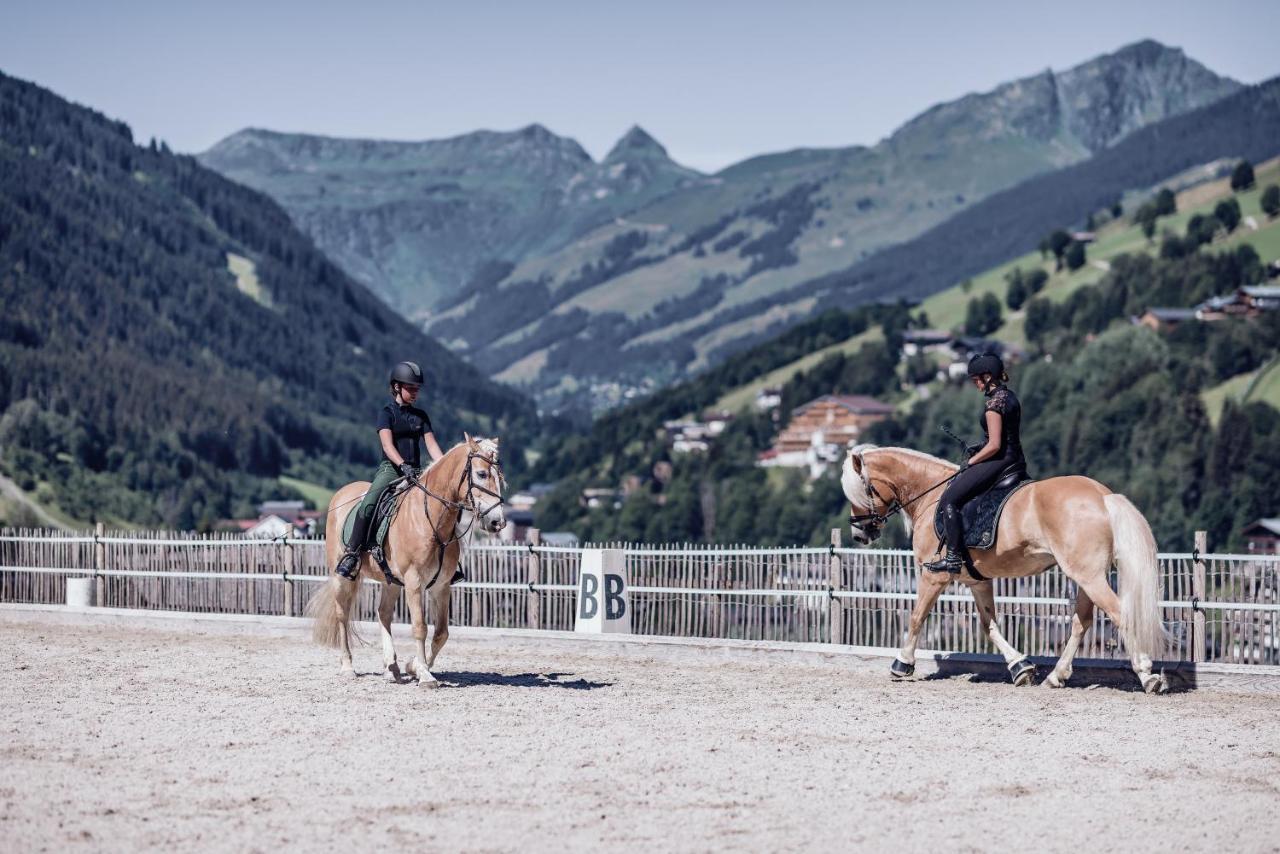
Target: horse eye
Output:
[(482, 474)]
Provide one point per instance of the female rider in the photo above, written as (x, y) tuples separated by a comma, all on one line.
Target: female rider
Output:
[(401, 427), (1001, 420)]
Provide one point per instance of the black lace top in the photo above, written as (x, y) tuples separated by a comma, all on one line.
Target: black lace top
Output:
[(1002, 399)]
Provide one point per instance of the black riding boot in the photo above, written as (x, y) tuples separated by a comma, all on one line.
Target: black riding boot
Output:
[(953, 527), (349, 565)]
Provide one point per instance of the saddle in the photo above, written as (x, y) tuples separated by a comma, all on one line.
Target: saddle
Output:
[(383, 514), (981, 514)]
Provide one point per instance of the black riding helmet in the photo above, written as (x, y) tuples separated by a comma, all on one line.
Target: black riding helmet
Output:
[(408, 373), (986, 363)]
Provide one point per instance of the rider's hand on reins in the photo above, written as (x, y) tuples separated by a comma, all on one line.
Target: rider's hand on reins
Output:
[(406, 470)]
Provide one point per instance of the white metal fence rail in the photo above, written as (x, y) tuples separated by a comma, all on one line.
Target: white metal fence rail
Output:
[(1216, 607)]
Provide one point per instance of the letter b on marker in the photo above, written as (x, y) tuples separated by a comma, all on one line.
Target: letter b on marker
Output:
[(588, 601), (602, 592)]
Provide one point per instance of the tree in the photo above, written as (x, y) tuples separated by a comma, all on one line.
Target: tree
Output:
[(1166, 202), (1242, 176), (1039, 319), (1035, 281), (1201, 228), (966, 286), (920, 369), (983, 315), (1270, 200), (1227, 212), (1117, 209), (1017, 293), (1058, 243), (1075, 256)]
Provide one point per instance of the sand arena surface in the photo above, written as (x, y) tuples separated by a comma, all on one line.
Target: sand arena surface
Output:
[(120, 737)]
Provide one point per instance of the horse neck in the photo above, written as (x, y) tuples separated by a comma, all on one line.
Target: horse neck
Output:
[(910, 474), (445, 477)]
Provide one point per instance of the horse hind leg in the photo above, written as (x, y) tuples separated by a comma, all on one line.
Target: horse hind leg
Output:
[(1105, 598), (1080, 623), (1021, 670), (386, 609)]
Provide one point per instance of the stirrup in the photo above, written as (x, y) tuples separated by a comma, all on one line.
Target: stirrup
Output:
[(951, 563), (349, 566), (381, 559)]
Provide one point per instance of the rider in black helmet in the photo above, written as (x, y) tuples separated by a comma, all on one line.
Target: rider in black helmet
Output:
[(1001, 421), (401, 429)]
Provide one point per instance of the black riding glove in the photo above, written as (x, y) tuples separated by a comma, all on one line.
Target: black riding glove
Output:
[(407, 470), (972, 449)]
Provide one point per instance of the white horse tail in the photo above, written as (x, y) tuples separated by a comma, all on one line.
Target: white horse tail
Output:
[(331, 619), (1139, 579)]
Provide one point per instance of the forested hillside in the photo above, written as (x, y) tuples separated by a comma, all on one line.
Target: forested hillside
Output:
[(1101, 397), (170, 344)]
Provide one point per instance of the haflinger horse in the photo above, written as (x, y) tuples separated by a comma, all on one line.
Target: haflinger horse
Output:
[(423, 547), (1074, 522)]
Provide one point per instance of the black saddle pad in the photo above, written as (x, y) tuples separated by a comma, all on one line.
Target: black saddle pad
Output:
[(981, 516)]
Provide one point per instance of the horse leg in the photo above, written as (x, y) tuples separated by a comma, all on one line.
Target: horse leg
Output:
[(346, 591), (386, 608), (929, 587), (440, 600), (1105, 598), (1080, 623), (418, 666), (1020, 669)]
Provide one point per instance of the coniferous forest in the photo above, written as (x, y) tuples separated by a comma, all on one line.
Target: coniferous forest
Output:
[(140, 381)]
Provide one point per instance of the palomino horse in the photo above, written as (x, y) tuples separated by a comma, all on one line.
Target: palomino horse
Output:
[(423, 547), (1074, 522)]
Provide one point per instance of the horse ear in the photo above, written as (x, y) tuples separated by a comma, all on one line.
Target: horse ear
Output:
[(855, 462), (495, 441), (466, 437)]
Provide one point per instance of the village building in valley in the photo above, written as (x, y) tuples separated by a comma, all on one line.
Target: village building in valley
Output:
[(821, 429)]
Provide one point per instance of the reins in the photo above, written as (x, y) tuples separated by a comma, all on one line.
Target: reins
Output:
[(469, 506)]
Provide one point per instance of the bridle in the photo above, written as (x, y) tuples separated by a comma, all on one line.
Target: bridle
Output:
[(468, 505), (878, 520)]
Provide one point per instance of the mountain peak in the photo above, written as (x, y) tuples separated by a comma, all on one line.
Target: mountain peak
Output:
[(636, 141)]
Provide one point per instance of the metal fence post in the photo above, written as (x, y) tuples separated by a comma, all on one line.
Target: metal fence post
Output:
[(533, 603), (835, 614), (1198, 645), (99, 564)]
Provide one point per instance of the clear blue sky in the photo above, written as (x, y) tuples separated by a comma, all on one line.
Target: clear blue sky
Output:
[(714, 81)]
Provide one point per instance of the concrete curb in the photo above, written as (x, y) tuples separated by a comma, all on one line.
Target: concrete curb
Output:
[(1182, 675)]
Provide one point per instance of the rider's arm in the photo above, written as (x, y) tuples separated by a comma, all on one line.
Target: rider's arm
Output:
[(992, 448), (389, 448), (433, 447)]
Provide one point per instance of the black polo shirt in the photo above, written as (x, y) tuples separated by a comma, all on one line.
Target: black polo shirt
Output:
[(408, 425)]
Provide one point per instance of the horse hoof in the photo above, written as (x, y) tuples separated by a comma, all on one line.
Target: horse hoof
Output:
[(1052, 681), (392, 674), (901, 670), (1155, 684), (347, 673), (1021, 671), (428, 682)]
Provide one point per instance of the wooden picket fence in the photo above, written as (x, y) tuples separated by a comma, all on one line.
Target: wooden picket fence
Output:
[(1223, 608)]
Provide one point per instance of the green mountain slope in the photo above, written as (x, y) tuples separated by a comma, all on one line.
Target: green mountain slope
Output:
[(698, 273), (170, 344), (417, 221), (550, 270)]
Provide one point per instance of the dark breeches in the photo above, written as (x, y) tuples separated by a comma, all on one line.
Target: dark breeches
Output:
[(970, 482)]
